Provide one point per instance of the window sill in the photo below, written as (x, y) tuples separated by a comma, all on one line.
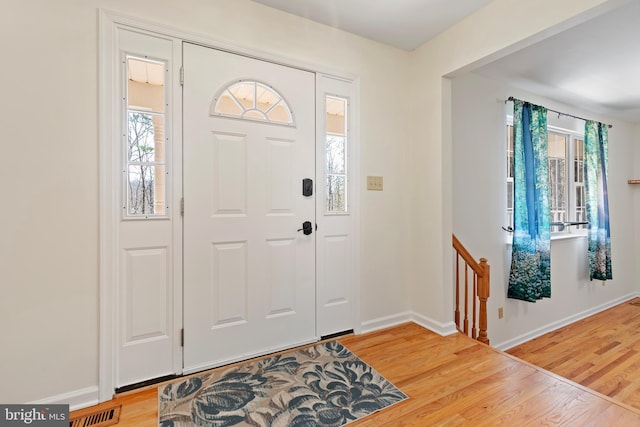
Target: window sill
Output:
[(566, 236)]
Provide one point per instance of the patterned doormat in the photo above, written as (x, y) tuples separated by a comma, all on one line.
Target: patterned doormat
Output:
[(324, 385)]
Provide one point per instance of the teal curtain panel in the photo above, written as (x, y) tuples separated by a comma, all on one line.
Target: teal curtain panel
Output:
[(530, 275), (597, 199)]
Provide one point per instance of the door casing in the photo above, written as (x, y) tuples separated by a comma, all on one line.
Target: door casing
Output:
[(109, 23)]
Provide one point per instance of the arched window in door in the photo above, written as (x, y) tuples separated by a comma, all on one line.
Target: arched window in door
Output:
[(252, 100)]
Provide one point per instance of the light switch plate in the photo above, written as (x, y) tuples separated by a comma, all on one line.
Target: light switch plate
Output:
[(374, 183)]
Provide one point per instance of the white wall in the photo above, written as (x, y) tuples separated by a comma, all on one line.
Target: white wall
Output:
[(635, 196), (479, 206), (49, 256), (500, 28)]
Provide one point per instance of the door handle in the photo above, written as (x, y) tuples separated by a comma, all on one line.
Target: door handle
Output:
[(307, 228)]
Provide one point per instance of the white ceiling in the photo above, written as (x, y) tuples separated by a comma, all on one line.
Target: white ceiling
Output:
[(594, 66), (405, 24)]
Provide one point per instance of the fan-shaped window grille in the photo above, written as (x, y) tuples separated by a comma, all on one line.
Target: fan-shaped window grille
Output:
[(251, 100)]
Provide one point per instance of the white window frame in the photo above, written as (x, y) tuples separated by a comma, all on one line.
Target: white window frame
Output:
[(126, 216), (243, 115), (570, 184), (347, 150)]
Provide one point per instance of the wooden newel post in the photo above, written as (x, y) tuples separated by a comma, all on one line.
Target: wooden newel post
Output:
[(484, 285)]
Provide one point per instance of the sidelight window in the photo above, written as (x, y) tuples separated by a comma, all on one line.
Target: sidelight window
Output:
[(146, 142), (336, 152)]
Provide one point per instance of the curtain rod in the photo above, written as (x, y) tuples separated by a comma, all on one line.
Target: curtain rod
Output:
[(511, 98)]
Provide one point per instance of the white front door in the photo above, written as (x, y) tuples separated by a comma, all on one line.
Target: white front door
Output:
[(249, 274)]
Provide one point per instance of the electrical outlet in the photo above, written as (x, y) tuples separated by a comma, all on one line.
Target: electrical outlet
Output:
[(500, 313), (374, 183)]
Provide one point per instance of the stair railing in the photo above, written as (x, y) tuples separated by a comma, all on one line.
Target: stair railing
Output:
[(478, 285)]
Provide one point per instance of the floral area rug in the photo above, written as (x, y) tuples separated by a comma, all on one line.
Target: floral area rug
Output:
[(324, 385)]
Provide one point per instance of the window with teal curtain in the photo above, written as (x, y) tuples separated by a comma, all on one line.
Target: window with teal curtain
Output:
[(530, 275), (597, 199)]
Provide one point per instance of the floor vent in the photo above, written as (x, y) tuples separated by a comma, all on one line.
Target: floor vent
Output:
[(101, 418)]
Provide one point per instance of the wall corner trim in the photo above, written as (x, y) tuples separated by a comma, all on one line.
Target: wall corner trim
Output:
[(442, 329)]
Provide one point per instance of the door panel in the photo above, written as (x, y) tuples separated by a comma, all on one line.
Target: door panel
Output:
[(229, 174), (249, 276), (143, 307), (336, 260), (146, 338)]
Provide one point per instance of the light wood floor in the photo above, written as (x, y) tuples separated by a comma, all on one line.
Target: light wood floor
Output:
[(454, 381), (601, 352)]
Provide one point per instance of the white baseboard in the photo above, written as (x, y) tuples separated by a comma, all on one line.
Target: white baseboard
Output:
[(76, 399), (562, 322), (439, 328), (386, 322)]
